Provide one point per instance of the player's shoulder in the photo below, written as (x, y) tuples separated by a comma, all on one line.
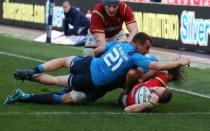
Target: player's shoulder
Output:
[(98, 11), (123, 7), (74, 10), (99, 7), (131, 50), (163, 77)]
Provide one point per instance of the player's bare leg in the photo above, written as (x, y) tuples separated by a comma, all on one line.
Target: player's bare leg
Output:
[(49, 66), (61, 81), (74, 97), (57, 64), (132, 77)]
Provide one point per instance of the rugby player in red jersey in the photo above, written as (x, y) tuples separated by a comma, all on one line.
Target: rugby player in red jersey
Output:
[(159, 92), (107, 21)]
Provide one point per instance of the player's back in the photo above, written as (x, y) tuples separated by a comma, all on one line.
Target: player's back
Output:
[(160, 80), (114, 64)]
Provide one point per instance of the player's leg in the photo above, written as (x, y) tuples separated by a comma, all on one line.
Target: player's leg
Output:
[(132, 77), (54, 65), (75, 97), (72, 97), (61, 81), (45, 67), (48, 98)]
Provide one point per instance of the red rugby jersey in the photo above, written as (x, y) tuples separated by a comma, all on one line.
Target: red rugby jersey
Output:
[(111, 26), (160, 80)]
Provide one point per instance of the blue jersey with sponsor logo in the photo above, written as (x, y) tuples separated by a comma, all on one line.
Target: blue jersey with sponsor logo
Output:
[(117, 60)]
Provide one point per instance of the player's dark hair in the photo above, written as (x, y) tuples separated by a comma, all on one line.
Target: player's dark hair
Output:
[(177, 75), (68, 1), (141, 38), (166, 96)]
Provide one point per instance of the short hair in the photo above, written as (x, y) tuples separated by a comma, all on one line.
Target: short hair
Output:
[(66, 1), (110, 2), (141, 38), (166, 96)]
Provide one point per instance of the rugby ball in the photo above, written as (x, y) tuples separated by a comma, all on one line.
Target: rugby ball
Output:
[(143, 95)]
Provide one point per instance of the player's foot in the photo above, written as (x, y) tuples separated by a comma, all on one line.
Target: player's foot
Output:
[(24, 75), (17, 94)]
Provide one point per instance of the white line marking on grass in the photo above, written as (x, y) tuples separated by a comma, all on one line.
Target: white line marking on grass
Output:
[(22, 57), (42, 61), (189, 92), (102, 113)]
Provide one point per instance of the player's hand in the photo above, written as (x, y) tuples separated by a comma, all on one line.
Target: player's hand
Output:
[(184, 62)]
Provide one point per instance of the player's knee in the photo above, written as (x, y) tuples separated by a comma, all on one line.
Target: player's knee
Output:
[(54, 81), (135, 74), (68, 60), (61, 81), (78, 97), (67, 99)]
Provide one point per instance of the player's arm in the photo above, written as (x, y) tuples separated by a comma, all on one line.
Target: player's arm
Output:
[(75, 22), (132, 29), (161, 66), (136, 108), (130, 23), (146, 64), (65, 27), (98, 31), (100, 40), (149, 75)]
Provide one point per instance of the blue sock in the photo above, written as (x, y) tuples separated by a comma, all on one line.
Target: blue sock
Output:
[(25, 96), (50, 98), (57, 99), (39, 68)]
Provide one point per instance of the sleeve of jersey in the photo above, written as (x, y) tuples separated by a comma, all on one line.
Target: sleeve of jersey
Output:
[(129, 17), (65, 27), (97, 23), (141, 61), (76, 20)]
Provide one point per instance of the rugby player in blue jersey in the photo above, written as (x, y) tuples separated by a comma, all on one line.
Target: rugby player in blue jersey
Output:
[(90, 78)]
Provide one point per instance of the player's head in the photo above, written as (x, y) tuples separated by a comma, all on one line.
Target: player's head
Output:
[(111, 6), (164, 94), (142, 42), (66, 6)]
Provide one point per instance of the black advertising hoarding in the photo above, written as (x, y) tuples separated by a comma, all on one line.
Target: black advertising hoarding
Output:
[(170, 26), (177, 27), (24, 13), (31, 13)]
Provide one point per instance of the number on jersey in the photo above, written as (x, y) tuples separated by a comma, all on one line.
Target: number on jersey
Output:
[(113, 60)]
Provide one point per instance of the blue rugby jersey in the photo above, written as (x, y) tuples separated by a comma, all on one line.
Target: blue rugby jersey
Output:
[(117, 60)]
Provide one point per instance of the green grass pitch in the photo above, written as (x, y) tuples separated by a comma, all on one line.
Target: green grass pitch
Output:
[(184, 112)]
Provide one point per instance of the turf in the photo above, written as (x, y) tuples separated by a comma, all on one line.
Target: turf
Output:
[(184, 112)]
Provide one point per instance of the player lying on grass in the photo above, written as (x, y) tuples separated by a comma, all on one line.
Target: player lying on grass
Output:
[(134, 101), (106, 25), (131, 100), (55, 97), (91, 77)]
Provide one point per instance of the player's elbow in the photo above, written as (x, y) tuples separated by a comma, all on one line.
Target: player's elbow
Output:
[(156, 66), (129, 110), (133, 111)]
